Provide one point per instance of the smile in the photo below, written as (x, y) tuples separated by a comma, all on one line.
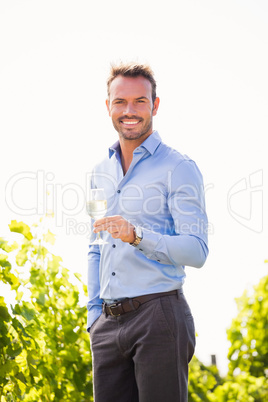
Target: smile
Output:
[(130, 122)]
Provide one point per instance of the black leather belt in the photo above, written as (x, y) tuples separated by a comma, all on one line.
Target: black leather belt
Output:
[(131, 304)]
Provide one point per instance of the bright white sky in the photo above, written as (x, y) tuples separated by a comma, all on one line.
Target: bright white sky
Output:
[(210, 60)]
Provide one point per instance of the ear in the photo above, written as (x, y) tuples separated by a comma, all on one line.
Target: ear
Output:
[(108, 106), (156, 106)]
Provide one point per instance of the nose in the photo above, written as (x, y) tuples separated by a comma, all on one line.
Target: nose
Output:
[(129, 109)]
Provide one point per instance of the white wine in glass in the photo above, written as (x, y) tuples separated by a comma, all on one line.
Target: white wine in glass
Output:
[(97, 208)]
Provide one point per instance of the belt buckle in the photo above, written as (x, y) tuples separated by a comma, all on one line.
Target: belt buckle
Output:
[(111, 311)]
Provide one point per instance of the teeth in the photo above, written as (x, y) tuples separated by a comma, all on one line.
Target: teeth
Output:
[(130, 122)]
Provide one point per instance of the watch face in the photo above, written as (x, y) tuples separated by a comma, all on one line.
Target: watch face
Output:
[(138, 232)]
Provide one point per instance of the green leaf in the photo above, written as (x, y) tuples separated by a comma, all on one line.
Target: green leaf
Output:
[(6, 276), (27, 311), (34, 371), (22, 255), (66, 355), (7, 367), (41, 299), (71, 299), (78, 276), (3, 261), (6, 247), (14, 349), (4, 314), (54, 264), (21, 227), (49, 237), (19, 295), (20, 376), (71, 336), (78, 381)]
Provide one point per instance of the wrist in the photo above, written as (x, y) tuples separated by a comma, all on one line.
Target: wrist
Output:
[(138, 235)]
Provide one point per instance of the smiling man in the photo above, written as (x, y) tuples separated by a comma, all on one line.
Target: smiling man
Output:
[(131, 105), (141, 328)]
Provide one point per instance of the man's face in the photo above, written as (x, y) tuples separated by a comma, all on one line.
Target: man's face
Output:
[(131, 107)]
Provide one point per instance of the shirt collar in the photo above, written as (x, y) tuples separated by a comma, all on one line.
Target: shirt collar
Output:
[(150, 144)]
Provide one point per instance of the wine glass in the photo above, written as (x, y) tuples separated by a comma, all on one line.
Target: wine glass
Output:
[(97, 208)]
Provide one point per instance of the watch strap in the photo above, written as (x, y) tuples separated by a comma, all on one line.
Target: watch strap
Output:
[(137, 240)]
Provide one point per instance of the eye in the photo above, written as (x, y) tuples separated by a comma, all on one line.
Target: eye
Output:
[(118, 101)]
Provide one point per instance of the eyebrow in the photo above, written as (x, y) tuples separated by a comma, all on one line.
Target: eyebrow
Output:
[(122, 99), (142, 97), (117, 99)]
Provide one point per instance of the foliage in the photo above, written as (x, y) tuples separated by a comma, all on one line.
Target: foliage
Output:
[(45, 350), (249, 333), (242, 388), (202, 381), (44, 347), (248, 355)]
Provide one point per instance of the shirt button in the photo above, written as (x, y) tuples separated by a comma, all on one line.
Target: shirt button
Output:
[(140, 249), (119, 191), (113, 245), (113, 273)]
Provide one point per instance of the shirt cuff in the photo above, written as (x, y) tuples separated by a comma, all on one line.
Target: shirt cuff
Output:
[(152, 246), (93, 314)]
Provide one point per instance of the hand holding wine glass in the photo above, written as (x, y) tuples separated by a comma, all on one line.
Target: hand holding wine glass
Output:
[(97, 208)]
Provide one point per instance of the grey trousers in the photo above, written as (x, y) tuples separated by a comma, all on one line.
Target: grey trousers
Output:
[(143, 356)]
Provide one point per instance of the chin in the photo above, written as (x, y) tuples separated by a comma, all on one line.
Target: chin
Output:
[(133, 136)]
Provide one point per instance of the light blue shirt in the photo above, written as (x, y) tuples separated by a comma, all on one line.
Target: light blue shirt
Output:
[(162, 192)]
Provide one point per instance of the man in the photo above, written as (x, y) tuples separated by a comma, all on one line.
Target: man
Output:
[(141, 328)]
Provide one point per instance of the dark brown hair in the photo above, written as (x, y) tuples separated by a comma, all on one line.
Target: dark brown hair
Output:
[(132, 70)]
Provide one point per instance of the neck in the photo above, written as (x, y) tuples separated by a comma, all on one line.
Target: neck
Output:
[(127, 149), (127, 154)]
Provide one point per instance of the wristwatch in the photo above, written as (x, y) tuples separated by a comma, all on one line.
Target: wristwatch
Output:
[(138, 234)]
